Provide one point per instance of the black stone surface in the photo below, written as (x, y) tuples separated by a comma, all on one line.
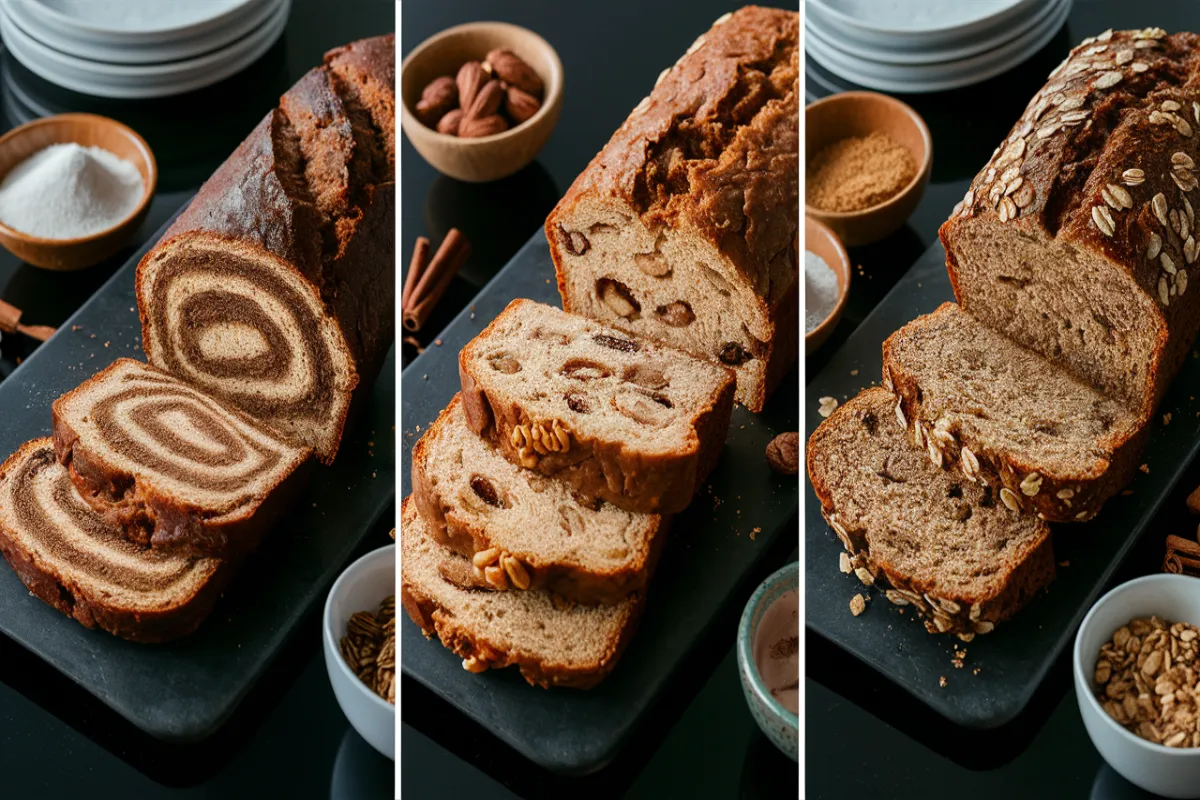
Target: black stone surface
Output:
[(712, 561)]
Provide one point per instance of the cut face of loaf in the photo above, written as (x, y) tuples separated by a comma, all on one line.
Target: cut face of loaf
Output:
[(926, 537), (616, 417), (551, 642), (75, 561), (984, 406), (527, 531), (1078, 239), (170, 465), (684, 228)]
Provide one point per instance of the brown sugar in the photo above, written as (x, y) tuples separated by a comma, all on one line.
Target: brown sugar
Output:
[(858, 172)]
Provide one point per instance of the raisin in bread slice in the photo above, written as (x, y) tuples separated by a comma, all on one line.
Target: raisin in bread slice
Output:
[(618, 418), (171, 466), (980, 403), (552, 642), (76, 562), (925, 536), (524, 530)]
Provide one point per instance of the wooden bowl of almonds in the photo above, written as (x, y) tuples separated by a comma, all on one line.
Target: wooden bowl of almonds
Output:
[(478, 101)]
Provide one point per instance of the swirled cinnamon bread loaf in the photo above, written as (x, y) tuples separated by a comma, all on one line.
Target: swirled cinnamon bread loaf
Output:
[(926, 537), (553, 643), (983, 405), (274, 290), (171, 466), (616, 417), (685, 227), (1078, 239), (75, 561), (522, 529)]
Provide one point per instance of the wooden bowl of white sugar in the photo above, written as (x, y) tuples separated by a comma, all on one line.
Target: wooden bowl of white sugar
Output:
[(826, 282), (73, 189)]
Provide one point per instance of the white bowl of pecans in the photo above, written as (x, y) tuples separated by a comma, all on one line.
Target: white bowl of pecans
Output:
[(1137, 680), (360, 646), (479, 100)]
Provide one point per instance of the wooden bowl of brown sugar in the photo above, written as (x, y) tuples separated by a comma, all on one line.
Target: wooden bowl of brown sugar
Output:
[(868, 158)]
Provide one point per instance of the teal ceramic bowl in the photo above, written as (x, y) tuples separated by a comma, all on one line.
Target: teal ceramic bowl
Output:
[(780, 725)]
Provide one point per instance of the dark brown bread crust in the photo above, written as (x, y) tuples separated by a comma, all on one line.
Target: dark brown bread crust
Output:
[(1088, 490), (715, 152), (94, 611), (366, 70)]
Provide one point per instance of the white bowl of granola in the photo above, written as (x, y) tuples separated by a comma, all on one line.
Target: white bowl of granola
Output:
[(1138, 645)]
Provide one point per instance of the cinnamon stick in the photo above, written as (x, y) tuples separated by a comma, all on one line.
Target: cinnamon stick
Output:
[(450, 256), (1183, 556), (10, 322), (416, 268)]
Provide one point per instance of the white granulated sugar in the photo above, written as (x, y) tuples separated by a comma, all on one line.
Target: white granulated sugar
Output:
[(820, 290), (67, 191)]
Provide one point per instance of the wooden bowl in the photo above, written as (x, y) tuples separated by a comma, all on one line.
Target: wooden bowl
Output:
[(858, 114), (89, 130), (489, 157), (820, 239)]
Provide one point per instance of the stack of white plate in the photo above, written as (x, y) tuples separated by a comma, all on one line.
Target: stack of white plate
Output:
[(928, 45), (132, 49)]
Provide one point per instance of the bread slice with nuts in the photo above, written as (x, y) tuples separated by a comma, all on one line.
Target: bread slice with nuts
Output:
[(927, 537), (616, 417), (552, 642), (521, 529), (979, 403)]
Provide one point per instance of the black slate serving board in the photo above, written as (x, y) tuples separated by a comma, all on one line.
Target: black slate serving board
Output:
[(715, 544), (184, 690), (1012, 660)]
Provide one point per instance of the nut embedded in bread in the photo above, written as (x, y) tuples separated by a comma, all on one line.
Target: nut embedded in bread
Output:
[(616, 417), (171, 466), (998, 413), (685, 227), (75, 561), (928, 538), (522, 529), (553, 643)]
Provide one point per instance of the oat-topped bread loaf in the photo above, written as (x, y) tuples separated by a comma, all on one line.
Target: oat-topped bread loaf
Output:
[(553, 643), (75, 561), (982, 405), (1078, 238), (274, 290), (927, 537), (616, 417), (171, 466), (522, 529), (685, 227)]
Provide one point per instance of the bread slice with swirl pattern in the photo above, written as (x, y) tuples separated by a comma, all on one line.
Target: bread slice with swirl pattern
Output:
[(617, 417), (77, 562), (172, 467)]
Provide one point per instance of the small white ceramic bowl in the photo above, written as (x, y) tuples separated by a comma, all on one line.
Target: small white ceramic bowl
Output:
[(363, 585), (1166, 771)]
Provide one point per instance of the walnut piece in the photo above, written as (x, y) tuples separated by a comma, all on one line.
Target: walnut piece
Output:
[(783, 453)]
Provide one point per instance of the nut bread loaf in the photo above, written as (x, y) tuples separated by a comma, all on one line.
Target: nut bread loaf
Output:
[(524, 530), (76, 562), (685, 227), (170, 466), (925, 536), (1000, 414), (274, 290), (553, 643), (616, 417), (1078, 237)]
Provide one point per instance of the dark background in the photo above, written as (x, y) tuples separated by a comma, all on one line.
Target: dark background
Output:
[(701, 742), (864, 735), (289, 739)]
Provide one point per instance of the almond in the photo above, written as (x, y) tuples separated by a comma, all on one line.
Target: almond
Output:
[(508, 66), (470, 80), (437, 98), (477, 127), (449, 122), (521, 106), (487, 101)]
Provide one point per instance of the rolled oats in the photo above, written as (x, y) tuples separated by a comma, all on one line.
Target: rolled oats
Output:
[(826, 406), (858, 604)]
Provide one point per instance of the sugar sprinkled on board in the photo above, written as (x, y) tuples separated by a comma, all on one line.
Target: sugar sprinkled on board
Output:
[(820, 290)]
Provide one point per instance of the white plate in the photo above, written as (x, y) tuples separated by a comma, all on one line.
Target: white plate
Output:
[(995, 39), (938, 77), (254, 14), (122, 81), (137, 21), (964, 29)]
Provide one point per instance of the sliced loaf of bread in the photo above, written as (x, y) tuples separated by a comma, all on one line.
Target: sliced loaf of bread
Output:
[(553, 643), (522, 529), (616, 417), (978, 402), (927, 537)]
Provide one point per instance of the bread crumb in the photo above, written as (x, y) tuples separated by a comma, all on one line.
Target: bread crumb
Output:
[(853, 373), (942, 681), (1126, 492), (1167, 418), (425, 377), (844, 563), (857, 605), (754, 532), (1145, 468), (437, 342), (827, 405), (1064, 563), (975, 671)]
